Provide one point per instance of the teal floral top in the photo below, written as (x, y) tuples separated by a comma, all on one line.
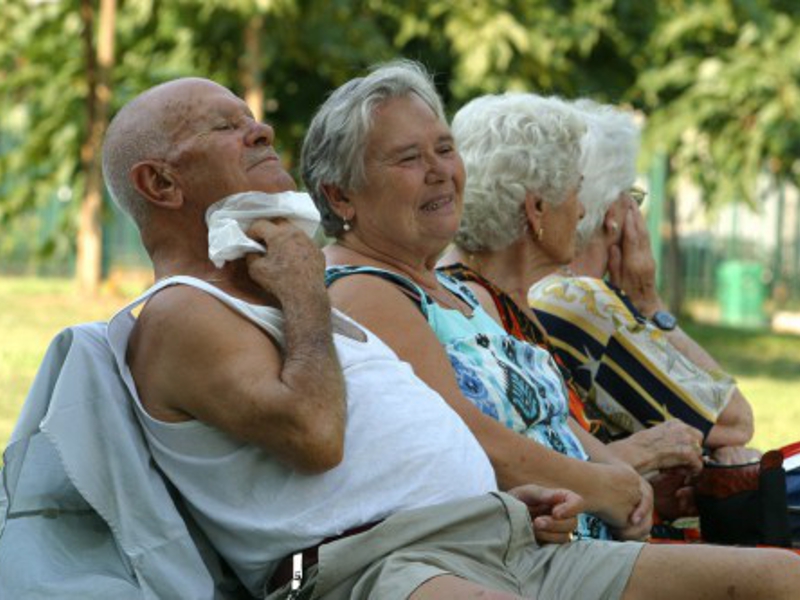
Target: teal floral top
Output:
[(510, 380)]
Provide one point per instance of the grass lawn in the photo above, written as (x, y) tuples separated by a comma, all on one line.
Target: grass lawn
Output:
[(766, 365), (33, 312)]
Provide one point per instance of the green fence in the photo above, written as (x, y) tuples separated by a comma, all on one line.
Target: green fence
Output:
[(741, 284), (741, 293), (39, 243)]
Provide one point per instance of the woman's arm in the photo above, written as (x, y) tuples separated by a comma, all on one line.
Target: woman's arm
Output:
[(735, 424), (632, 268), (665, 445), (612, 492)]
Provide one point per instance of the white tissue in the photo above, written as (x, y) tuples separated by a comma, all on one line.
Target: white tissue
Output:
[(229, 218)]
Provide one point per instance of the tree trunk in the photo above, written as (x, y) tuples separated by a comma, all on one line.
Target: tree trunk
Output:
[(674, 280), (251, 67), (98, 72)]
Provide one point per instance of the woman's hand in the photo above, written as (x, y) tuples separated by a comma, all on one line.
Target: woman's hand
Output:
[(614, 491), (631, 266), (735, 455), (622, 498), (554, 512), (640, 521), (663, 446)]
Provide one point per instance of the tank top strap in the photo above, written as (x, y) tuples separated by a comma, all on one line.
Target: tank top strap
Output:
[(120, 325), (422, 299)]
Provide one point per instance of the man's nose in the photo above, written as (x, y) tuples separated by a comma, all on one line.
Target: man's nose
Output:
[(260, 134)]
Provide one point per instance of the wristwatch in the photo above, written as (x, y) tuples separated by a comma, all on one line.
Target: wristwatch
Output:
[(664, 320)]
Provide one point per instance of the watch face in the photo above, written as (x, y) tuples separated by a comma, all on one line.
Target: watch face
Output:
[(664, 320)]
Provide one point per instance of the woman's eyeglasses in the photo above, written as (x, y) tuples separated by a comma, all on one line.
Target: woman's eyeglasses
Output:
[(637, 194)]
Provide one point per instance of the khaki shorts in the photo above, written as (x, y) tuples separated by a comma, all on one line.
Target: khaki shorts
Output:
[(486, 540)]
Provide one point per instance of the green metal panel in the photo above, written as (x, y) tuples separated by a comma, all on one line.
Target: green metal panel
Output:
[(741, 293), (655, 208)]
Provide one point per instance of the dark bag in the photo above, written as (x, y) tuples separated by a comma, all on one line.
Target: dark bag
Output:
[(791, 464), (745, 504)]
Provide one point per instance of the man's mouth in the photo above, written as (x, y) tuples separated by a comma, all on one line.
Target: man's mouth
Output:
[(261, 158)]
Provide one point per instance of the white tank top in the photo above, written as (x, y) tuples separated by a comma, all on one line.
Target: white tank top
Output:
[(404, 448)]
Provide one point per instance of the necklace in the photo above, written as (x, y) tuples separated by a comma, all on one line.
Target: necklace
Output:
[(567, 271)]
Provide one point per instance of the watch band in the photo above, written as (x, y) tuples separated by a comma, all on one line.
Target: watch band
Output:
[(664, 320)]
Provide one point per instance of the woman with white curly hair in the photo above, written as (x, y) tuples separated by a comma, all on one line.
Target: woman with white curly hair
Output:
[(521, 212), (603, 328)]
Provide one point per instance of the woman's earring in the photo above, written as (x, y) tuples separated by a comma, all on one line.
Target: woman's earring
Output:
[(540, 234), (346, 225), (614, 227)]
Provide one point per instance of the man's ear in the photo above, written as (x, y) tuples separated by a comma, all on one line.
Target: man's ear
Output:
[(339, 202), (535, 209), (155, 181)]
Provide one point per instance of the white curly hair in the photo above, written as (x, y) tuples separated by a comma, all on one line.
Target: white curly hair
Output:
[(608, 161), (513, 144)]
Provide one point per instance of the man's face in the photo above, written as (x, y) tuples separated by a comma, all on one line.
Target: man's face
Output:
[(218, 148)]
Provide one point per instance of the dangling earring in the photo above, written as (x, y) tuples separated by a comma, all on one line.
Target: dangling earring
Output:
[(346, 225), (540, 234)]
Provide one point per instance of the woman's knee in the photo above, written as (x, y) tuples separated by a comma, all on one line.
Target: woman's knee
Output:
[(692, 571)]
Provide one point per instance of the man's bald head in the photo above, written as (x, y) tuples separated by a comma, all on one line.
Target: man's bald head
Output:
[(144, 129)]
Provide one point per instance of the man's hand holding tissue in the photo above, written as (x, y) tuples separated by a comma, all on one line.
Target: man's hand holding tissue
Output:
[(292, 269)]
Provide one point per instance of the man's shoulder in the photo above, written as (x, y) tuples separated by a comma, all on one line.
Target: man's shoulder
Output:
[(176, 305), (182, 315)]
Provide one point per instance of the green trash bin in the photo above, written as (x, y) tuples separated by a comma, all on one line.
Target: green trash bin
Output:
[(741, 293)]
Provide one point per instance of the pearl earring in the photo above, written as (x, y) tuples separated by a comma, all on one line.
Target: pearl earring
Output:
[(346, 225)]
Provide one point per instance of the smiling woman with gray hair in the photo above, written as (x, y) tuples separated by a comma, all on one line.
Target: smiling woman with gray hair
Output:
[(334, 148)]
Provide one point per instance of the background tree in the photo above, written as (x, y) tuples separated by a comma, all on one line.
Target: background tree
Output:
[(717, 81), (721, 88), (99, 62)]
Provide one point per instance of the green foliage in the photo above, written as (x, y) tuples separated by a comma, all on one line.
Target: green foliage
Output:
[(40, 105), (718, 80), (723, 93), (539, 45)]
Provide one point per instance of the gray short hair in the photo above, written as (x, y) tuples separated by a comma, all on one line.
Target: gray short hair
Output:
[(333, 149), (129, 139), (608, 161), (513, 144)]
